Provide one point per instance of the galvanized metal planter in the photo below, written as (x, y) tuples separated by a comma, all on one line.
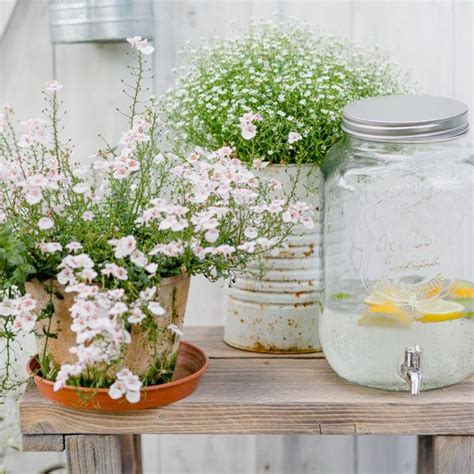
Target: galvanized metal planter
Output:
[(280, 311), (79, 21)]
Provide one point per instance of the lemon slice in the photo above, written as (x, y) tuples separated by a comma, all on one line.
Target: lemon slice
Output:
[(463, 292), (374, 299), (439, 310), (385, 314), (399, 320)]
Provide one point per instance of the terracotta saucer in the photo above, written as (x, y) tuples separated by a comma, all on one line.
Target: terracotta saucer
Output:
[(191, 365)]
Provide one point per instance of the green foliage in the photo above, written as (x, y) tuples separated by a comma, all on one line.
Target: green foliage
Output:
[(297, 79)]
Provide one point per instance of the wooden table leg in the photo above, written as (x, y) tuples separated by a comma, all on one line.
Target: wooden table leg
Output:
[(445, 454), (93, 454), (131, 454)]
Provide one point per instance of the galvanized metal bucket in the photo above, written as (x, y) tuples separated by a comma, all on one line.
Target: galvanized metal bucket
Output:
[(280, 311), (80, 21)]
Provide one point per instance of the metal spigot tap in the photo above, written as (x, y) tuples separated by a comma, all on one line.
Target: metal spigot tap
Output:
[(410, 370)]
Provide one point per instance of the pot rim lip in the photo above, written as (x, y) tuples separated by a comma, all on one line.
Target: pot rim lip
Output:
[(173, 279), (150, 388)]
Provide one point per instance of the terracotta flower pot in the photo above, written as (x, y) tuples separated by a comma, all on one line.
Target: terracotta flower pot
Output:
[(191, 365), (141, 355)]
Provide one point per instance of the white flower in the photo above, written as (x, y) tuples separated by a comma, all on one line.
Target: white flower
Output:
[(276, 206), (111, 269), (137, 316), (88, 274), (50, 247), (158, 159), (22, 309), (122, 172), (259, 164), (88, 216), (36, 131), (248, 247), (151, 268), (124, 246), (155, 308), (148, 293), (33, 196), (45, 223), (53, 86), (251, 232), (138, 258), (66, 371), (141, 45), (211, 235), (293, 137), (175, 330), (81, 188), (127, 384), (117, 390), (118, 309), (248, 131), (74, 246)]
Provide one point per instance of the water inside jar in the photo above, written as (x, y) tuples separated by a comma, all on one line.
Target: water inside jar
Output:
[(364, 336)]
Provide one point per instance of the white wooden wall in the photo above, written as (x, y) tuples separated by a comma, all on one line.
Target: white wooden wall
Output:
[(432, 38)]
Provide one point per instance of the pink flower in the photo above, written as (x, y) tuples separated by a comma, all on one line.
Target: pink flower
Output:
[(151, 268), (251, 232), (248, 131), (124, 246), (137, 316), (35, 132), (138, 258), (175, 330), (53, 86), (127, 384), (50, 247), (88, 216), (211, 235), (155, 308), (45, 223), (74, 246), (141, 45), (260, 164), (247, 127), (111, 269), (66, 371)]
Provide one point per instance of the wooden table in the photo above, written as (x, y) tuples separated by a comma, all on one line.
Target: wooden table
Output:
[(244, 392)]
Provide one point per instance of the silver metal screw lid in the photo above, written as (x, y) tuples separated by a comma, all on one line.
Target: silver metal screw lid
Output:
[(406, 119)]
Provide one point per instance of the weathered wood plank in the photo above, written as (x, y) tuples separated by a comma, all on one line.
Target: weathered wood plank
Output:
[(210, 339), (420, 34), (425, 455), (271, 396), (463, 53), (131, 454), (5, 13), (88, 454), (386, 454), (446, 454), (26, 64), (207, 454), (38, 442)]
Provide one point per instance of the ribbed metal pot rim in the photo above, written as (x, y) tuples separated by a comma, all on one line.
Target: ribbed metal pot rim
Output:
[(406, 119)]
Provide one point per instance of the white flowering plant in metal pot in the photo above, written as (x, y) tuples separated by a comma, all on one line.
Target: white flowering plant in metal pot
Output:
[(95, 259), (275, 94)]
